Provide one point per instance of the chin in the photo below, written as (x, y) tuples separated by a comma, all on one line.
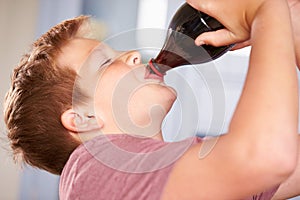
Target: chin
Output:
[(172, 94), (170, 99), (173, 91)]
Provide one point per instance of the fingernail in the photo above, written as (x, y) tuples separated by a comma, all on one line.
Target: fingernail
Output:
[(200, 42)]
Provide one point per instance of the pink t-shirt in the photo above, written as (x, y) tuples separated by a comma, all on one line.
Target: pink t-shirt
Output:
[(123, 167)]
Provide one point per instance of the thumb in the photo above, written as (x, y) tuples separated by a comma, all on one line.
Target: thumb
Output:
[(217, 38)]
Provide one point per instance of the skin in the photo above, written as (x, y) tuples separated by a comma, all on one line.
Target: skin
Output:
[(294, 6), (123, 66), (246, 20), (289, 188), (244, 155)]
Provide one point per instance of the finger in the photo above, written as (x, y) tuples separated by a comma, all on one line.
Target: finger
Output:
[(217, 38), (241, 45), (205, 6)]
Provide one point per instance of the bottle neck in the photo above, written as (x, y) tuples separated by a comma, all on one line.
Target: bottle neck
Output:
[(155, 69)]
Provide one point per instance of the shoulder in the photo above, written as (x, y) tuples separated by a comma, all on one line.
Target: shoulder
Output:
[(119, 162)]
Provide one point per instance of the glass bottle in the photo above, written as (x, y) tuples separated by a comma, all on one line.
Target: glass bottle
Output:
[(179, 47)]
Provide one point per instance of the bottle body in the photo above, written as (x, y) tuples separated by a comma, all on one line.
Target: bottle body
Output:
[(179, 47)]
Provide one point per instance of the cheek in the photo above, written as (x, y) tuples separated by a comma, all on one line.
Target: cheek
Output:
[(114, 90), (103, 94)]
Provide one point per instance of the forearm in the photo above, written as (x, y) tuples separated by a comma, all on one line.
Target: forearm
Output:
[(266, 116)]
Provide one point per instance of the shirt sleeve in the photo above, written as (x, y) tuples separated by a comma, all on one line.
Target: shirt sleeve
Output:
[(266, 195)]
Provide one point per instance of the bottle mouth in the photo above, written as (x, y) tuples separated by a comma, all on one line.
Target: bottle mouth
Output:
[(154, 68)]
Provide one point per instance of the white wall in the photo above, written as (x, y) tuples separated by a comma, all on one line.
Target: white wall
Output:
[(17, 22)]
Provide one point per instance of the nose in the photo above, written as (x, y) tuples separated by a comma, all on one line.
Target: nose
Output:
[(132, 58)]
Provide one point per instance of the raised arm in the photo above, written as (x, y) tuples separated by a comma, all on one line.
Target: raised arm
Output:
[(291, 187), (295, 15), (260, 148)]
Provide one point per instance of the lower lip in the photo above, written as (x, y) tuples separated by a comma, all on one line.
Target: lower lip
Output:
[(148, 75)]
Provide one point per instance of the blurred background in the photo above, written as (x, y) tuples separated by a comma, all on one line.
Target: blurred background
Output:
[(23, 21)]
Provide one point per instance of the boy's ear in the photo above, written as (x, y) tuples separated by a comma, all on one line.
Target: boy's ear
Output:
[(77, 123)]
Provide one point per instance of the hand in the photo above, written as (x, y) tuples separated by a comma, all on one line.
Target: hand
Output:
[(294, 6), (237, 18)]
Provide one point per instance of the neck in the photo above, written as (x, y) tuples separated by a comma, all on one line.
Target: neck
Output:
[(88, 136), (140, 126), (155, 135)]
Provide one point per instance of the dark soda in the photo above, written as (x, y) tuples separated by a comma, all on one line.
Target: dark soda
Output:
[(179, 47)]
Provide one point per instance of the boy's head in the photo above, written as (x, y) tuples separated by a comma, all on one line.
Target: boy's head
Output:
[(69, 89), (40, 92)]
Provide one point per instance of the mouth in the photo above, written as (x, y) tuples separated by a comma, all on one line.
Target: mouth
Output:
[(149, 75)]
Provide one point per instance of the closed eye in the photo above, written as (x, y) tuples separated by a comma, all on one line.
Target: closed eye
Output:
[(106, 62)]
